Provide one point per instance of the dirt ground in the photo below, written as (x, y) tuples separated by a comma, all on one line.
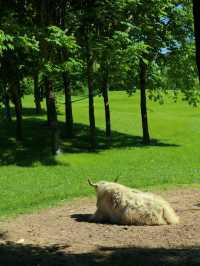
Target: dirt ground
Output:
[(64, 236)]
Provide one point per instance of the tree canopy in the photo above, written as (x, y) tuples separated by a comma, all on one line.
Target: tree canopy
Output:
[(74, 47)]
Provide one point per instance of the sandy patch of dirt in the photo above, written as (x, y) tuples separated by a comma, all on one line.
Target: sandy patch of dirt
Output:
[(64, 236)]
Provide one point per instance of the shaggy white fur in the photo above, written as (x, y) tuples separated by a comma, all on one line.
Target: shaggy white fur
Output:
[(122, 205)]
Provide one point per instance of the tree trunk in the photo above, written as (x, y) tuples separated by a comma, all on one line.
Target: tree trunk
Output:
[(68, 106), (37, 96), (52, 117), (7, 108), (66, 78), (47, 102), (106, 104), (143, 106), (47, 20), (196, 14), (16, 98), (91, 99)]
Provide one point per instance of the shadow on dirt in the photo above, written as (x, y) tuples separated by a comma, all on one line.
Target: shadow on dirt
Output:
[(27, 255), (86, 218), (3, 235)]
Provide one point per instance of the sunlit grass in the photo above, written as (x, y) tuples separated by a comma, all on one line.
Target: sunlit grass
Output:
[(30, 178)]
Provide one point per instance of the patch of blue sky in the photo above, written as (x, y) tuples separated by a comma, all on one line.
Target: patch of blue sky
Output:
[(164, 20), (164, 50)]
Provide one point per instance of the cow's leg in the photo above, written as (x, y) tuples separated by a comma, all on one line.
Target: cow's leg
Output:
[(98, 217)]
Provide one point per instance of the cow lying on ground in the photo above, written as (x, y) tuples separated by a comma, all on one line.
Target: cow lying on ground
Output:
[(119, 204)]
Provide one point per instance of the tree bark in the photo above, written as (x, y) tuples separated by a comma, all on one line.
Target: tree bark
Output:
[(52, 117), (7, 107), (143, 105), (106, 104), (16, 98), (91, 99), (66, 78), (47, 102), (37, 96), (47, 19), (196, 14), (68, 106)]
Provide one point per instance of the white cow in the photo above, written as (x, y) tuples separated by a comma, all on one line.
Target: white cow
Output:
[(119, 204)]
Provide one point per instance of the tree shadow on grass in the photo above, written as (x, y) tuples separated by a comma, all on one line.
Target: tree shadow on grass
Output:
[(36, 146), (28, 111), (81, 142), (28, 255), (31, 112)]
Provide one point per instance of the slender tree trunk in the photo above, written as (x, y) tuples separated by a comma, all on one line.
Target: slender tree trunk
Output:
[(196, 14), (52, 117), (143, 105), (7, 108), (47, 18), (16, 98), (37, 96), (66, 78), (106, 104), (68, 106), (46, 87), (91, 99), (18, 112)]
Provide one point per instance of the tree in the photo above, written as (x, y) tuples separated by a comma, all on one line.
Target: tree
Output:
[(127, 45), (160, 25), (87, 39), (196, 14), (5, 44), (107, 23), (48, 18), (37, 93), (143, 17), (16, 48), (64, 62)]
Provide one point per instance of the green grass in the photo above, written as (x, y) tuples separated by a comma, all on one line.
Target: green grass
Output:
[(30, 178)]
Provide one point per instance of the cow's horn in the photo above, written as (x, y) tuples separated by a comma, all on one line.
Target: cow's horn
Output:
[(92, 184)]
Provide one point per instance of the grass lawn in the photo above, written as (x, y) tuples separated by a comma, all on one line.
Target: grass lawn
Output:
[(31, 179)]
